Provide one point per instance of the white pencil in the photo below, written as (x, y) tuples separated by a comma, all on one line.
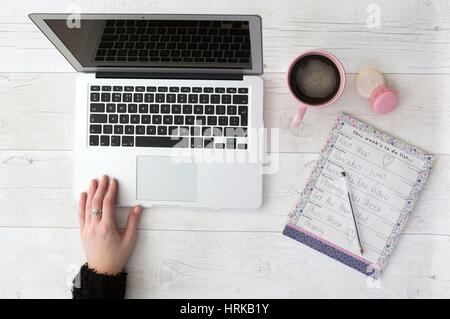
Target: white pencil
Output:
[(347, 188)]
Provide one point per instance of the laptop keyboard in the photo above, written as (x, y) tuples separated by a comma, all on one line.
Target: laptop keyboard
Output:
[(175, 41), (170, 117)]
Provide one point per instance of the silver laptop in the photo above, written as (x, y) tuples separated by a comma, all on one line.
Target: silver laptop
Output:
[(170, 105)]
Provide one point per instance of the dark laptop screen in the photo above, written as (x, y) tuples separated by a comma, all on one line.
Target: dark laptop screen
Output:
[(157, 43)]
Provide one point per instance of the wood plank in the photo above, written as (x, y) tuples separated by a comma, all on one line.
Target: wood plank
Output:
[(413, 36), (33, 120), (168, 264), (36, 191)]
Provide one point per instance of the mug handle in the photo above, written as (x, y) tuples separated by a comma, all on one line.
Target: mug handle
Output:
[(299, 116)]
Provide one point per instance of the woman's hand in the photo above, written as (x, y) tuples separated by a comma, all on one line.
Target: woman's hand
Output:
[(107, 250)]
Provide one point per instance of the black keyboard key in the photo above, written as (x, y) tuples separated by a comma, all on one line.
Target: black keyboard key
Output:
[(234, 120), (115, 140), (243, 109), (110, 108), (124, 118), (185, 89), (212, 120), (93, 140), (132, 108), (138, 97), (106, 97), (181, 98), (135, 119), (193, 98), (174, 89), (220, 109), (129, 89), (104, 140), (140, 129), (179, 119), (118, 129), (156, 119), (98, 118), (162, 89), (190, 120), (240, 99), (208, 90), (243, 90), (95, 97), (151, 130), (95, 129), (95, 88), (127, 140), (107, 129), (162, 130), (129, 129), (140, 89), (231, 90), (226, 99), (167, 119), (220, 90), (209, 109), (106, 88), (231, 109), (117, 89), (154, 108), (121, 108), (162, 141), (176, 109), (197, 90), (143, 108), (165, 108), (187, 109), (198, 109), (223, 120), (145, 119), (244, 120), (215, 99), (97, 107), (171, 98), (204, 98), (127, 97), (149, 97), (151, 88), (117, 97)]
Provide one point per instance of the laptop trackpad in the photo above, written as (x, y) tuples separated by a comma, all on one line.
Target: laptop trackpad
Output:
[(162, 178)]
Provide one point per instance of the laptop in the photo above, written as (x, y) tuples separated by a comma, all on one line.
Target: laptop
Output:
[(170, 105)]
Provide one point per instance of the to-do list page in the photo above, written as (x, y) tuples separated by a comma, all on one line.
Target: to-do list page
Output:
[(385, 177)]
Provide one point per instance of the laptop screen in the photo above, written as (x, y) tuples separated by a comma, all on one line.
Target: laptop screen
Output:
[(156, 43)]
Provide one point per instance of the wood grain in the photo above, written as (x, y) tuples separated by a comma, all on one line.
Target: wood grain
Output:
[(413, 36)]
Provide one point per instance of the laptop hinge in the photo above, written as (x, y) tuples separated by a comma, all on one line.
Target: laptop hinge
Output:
[(171, 76)]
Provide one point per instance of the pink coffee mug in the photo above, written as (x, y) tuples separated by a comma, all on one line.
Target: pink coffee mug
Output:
[(314, 102)]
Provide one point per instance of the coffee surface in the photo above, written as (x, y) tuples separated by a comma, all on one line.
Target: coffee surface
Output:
[(315, 79)]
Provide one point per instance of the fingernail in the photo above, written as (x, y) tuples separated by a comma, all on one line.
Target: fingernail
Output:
[(138, 210)]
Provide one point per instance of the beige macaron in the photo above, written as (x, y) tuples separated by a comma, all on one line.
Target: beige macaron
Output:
[(367, 81)]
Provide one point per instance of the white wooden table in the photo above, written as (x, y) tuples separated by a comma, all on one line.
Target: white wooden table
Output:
[(209, 254)]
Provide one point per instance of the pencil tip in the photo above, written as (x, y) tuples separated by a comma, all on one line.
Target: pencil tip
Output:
[(343, 173), (362, 251)]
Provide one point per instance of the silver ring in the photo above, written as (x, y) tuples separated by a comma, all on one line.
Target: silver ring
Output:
[(96, 212)]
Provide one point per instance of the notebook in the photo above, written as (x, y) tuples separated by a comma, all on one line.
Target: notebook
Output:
[(385, 177)]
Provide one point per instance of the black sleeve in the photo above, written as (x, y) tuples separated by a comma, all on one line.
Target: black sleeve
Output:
[(88, 284)]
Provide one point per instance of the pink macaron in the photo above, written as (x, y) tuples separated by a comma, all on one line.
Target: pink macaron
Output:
[(383, 100)]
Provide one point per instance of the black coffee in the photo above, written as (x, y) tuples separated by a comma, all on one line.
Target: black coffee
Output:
[(315, 79)]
